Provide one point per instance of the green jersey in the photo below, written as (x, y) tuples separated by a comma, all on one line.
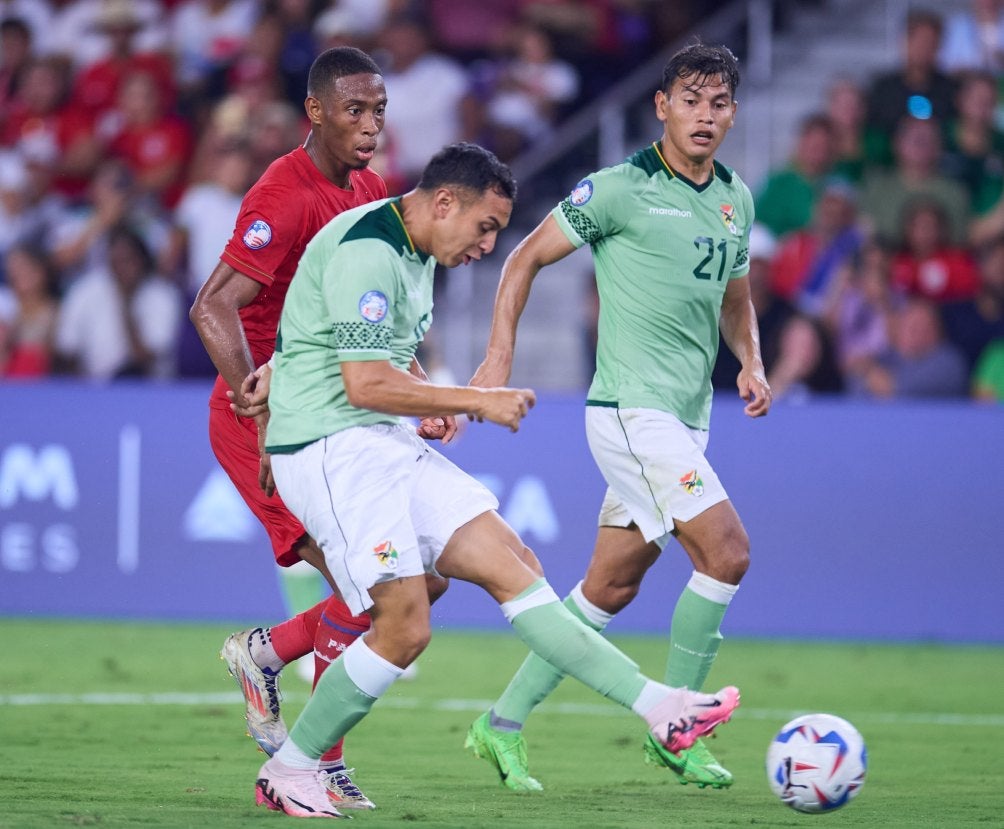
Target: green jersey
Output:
[(664, 249), (361, 292)]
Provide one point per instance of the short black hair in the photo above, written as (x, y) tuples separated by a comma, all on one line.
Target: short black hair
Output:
[(697, 63), (16, 25), (469, 166), (335, 63)]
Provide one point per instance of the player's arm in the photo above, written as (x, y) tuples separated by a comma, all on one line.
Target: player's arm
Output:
[(545, 245), (215, 315), (379, 386), (742, 335)]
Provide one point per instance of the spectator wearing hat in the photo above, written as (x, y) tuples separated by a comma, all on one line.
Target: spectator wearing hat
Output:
[(97, 85)]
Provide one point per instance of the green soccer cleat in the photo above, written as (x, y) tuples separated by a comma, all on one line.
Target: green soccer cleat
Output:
[(506, 750), (692, 765)]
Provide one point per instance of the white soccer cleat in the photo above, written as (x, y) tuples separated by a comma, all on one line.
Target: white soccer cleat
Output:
[(261, 693), (297, 792), (677, 723), (342, 792)]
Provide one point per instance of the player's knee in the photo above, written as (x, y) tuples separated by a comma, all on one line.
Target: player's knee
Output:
[(734, 559), (437, 586), (609, 596), (529, 558), (412, 640)]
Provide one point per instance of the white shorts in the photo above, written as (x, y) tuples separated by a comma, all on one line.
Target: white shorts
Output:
[(655, 469), (380, 503)]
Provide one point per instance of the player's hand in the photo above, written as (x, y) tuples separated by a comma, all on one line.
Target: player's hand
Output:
[(490, 374), (754, 389), (438, 428), (253, 399), (507, 407)]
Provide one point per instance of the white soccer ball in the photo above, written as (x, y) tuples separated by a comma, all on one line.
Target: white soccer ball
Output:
[(817, 763)]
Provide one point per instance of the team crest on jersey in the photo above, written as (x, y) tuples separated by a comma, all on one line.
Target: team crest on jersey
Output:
[(257, 235), (386, 555), (692, 483), (729, 218), (373, 306), (581, 193)]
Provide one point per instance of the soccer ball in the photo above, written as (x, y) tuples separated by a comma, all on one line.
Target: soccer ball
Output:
[(817, 763)]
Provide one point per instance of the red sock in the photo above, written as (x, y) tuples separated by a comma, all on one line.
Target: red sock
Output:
[(295, 637), (336, 630)]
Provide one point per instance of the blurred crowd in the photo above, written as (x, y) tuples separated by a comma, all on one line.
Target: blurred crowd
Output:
[(130, 130), (878, 257)]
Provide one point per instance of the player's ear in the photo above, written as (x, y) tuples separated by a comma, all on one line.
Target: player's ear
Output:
[(442, 201), (313, 108), (661, 104)]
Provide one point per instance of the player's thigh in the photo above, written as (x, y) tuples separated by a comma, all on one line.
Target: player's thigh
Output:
[(352, 492), (485, 552), (655, 468), (234, 441)]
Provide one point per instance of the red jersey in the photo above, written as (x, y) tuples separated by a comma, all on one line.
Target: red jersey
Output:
[(280, 214), (949, 275)]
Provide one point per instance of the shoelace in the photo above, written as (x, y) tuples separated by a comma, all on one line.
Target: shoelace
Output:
[(344, 782)]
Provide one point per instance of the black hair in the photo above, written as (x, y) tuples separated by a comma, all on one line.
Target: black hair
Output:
[(124, 232), (697, 63), (16, 25), (335, 63), (469, 166)]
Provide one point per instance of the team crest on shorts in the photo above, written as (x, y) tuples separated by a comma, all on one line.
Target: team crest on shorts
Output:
[(386, 555), (692, 483), (581, 193), (373, 306), (257, 235)]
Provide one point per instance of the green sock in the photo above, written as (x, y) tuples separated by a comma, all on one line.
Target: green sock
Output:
[(534, 680), (560, 638), (336, 705), (694, 640)]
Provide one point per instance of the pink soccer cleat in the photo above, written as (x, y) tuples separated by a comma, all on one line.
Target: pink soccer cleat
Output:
[(684, 716)]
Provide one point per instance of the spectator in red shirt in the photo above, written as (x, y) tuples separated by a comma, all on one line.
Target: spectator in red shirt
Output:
[(154, 144), (97, 86), (928, 265), (43, 124)]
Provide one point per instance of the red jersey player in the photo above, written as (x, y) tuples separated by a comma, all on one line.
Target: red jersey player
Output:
[(237, 314)]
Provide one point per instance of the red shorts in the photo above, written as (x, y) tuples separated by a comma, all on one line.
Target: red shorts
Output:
[(235, 444)]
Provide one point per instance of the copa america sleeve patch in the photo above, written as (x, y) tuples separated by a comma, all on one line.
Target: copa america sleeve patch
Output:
[(373, 306), (257, 235), (581, 193)]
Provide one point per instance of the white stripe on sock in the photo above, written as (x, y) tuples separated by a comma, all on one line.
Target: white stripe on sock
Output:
[(711, 589)]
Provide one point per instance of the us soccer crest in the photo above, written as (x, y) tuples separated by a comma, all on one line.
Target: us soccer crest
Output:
[(386, 555), (729, 218), (692, 483)]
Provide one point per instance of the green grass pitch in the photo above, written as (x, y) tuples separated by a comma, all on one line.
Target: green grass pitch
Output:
[(139, 725)]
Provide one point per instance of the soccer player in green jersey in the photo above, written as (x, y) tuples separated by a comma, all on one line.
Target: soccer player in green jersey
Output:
[(384, 507), (669, 232)]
